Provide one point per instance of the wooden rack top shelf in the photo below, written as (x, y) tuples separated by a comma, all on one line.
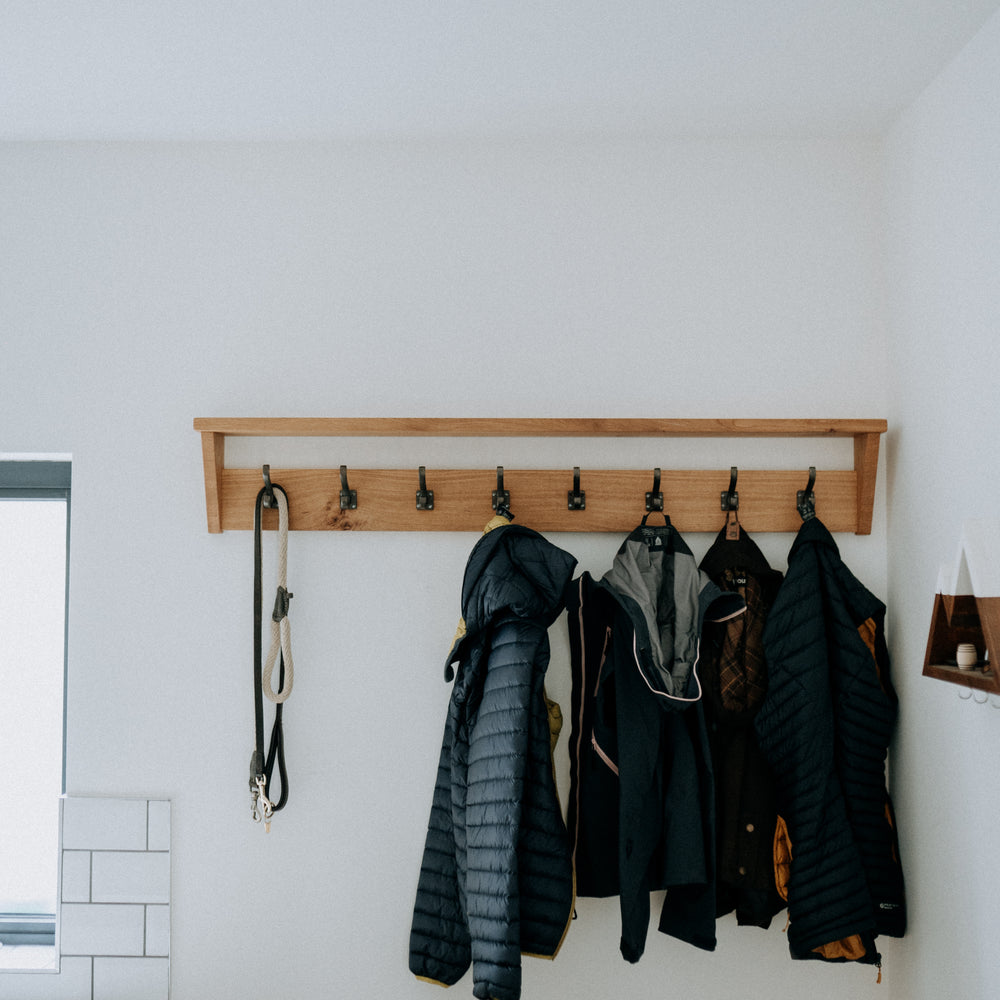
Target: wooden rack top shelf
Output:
[(844, 498), (531, 427)]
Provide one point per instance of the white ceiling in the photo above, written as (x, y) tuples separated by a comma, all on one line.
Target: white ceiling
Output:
[(244, 69)]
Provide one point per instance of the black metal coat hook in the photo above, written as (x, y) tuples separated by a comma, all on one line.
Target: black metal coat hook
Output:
[(730, 497), (654, 499), (501, 497), (348, 497), (805, 499), (270, 500), (730, 500), (576, 499), (425, 497)]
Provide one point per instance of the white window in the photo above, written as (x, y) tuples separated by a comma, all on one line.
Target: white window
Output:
[(34, 546)]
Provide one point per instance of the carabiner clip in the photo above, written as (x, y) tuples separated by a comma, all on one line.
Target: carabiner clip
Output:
[(261, 807)]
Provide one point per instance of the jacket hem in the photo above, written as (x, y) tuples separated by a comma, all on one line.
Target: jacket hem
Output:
[(569, 923)]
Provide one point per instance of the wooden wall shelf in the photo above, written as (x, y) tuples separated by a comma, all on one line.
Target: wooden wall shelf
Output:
[(967, 610), (615, 498), (963, 618)]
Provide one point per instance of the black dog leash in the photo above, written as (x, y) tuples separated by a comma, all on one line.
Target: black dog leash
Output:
[(262, 768)]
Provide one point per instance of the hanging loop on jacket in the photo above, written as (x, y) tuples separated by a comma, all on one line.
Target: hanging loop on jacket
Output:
[(666, 518)]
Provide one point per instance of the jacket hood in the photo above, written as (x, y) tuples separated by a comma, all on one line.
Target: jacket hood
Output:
[(514, 571), (658, 583)]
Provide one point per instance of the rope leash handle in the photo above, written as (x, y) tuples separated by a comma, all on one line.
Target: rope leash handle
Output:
[(281, 631)]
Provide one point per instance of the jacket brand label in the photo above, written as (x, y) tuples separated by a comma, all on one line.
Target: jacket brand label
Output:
[(652, 538)]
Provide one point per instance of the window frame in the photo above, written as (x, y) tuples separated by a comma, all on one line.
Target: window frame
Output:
[(40, 479)]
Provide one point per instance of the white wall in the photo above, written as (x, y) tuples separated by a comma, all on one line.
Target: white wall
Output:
[(145, 285), (943, 241)]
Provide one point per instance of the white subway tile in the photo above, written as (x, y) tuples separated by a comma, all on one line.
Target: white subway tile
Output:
[(97, 929), (104, 824), (131, 877), (159, 825), (131, 978), (72, 982), (158, 930), (76, 877)]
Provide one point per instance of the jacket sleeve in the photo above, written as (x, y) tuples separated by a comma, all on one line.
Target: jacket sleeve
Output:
[(498, 752), (439, 937)]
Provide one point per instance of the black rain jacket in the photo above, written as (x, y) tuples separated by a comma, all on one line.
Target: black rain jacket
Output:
[(641, 809)]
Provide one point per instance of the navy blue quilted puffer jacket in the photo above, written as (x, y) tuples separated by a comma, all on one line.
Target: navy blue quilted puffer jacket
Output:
[(496, 879)]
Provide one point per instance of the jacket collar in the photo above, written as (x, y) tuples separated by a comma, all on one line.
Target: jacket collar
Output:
[(725, 555), (813, 532)]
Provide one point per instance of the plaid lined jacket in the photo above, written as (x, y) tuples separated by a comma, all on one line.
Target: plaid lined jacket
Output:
[(734, 675)]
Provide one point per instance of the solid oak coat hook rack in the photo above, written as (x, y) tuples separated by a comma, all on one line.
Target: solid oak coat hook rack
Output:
[(543, 499)]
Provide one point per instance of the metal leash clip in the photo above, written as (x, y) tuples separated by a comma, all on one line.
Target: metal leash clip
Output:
[(261, 807)]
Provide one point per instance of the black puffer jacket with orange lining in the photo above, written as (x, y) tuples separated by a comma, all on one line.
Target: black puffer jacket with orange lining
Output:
[(825, 727)]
